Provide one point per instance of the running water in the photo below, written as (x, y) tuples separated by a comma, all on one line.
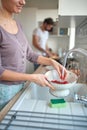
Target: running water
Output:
[(80, 50)]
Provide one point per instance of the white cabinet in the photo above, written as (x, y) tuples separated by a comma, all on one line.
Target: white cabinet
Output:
[(72, 7), (71, 14)]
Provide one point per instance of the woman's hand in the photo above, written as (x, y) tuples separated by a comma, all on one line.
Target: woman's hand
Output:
[(76, 71), (41, 80), (48, 61), (60, 69)]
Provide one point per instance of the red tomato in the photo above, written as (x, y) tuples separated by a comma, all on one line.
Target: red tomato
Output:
[(59, 82)]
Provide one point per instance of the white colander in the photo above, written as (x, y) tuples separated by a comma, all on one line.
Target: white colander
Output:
[(61, 90)]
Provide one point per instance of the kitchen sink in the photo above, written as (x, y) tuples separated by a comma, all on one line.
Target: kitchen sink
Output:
[(42, 93), (32, 112)]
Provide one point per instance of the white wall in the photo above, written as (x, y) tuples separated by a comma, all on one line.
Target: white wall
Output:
[(28, 20), (42, 14), (58, 42)]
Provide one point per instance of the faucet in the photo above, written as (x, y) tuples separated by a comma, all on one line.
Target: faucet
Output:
[(77, 98), (80, 99), (80, 50)]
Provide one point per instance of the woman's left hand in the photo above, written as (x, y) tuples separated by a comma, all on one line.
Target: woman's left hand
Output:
[(76, 71), (48, 61), (60, 69)]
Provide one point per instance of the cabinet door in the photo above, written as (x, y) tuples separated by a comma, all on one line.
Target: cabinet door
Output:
[(72, 7)]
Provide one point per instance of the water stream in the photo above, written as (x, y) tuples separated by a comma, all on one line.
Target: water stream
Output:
[(79, 50)]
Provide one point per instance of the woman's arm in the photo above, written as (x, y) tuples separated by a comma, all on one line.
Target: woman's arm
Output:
[(9, 75), (40, 79)]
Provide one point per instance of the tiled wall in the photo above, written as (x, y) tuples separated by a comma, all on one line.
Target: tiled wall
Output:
[(81, 35), (81, 42)]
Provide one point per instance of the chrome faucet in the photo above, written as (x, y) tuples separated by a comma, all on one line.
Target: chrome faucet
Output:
[(80, 99), (80, 50), (77, 98)]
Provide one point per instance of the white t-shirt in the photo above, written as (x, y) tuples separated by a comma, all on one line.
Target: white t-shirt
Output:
[(43, 36)]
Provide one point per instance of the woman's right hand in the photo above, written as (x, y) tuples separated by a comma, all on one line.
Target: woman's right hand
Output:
[(41, 80), (76, 71)]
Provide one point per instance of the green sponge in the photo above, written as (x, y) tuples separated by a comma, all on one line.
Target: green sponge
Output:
[(57, 103)]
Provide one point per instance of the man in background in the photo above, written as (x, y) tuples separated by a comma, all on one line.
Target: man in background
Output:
[(40, 37)]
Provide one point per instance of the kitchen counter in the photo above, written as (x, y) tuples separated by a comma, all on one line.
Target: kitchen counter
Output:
[(32, 113)]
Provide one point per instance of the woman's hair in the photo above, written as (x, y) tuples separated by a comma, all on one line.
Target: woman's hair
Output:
[(48, 21)]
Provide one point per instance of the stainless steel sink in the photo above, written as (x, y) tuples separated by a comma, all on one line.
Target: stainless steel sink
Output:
[(37, 115), (42, 93)]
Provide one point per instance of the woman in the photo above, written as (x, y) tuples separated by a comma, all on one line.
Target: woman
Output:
[(14, 50)]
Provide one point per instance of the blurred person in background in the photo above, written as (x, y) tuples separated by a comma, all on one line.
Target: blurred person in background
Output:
[(40, 37)]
